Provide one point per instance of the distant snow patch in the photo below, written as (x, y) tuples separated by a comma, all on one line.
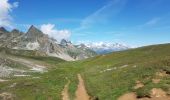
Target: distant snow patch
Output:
[(33, 45), (1, 80), (4, 71), (109, 69), (38, 68), (13, 85), (134, 66), (36, 77), (15, 48), (20, 75), (114, 68), (124, 66)]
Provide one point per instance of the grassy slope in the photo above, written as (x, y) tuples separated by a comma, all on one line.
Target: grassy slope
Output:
[(30, 88), (30, 55), (142, 64)]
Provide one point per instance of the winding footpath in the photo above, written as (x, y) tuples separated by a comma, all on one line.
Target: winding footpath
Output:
[(81, 93), (65, 94)]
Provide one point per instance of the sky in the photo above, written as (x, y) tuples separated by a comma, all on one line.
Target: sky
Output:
[(131, 22)]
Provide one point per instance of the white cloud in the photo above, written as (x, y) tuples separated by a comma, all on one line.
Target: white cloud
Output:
[(105, 45), (153, 21), (5, 10), (55, 33), (103, 14)]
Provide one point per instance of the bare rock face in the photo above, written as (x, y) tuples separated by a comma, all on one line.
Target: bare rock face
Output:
[(34, 39), (9, 39), (3, 34), (16, 33), (3, 30), (33, 34)]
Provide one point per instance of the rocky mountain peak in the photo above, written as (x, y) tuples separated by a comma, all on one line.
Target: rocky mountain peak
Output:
[(33, 33), (82, 45), (64, 42), (32, 27), (34, 30), (2, 29), (16, 33)]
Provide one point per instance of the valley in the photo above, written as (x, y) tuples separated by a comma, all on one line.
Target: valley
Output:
[(84, 50), (105, 77)]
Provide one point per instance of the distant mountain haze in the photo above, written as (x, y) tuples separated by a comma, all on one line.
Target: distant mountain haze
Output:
[(103, 48)]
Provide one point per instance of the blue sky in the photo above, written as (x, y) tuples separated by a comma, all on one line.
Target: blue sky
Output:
[(132, 22)]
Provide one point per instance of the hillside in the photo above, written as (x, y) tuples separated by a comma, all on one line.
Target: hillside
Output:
[(134, 72), (110, 76)]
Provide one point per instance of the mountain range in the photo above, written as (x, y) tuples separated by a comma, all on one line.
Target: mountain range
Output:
[(36, 40), (103, 48)]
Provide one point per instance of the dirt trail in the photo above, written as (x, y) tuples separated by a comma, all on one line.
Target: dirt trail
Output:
[(65, 94), (128, 96), (155, 94), (81, 93), (138, 85)]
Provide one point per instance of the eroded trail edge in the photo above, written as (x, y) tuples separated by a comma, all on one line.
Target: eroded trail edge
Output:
[(65, 94), (81, 93)]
